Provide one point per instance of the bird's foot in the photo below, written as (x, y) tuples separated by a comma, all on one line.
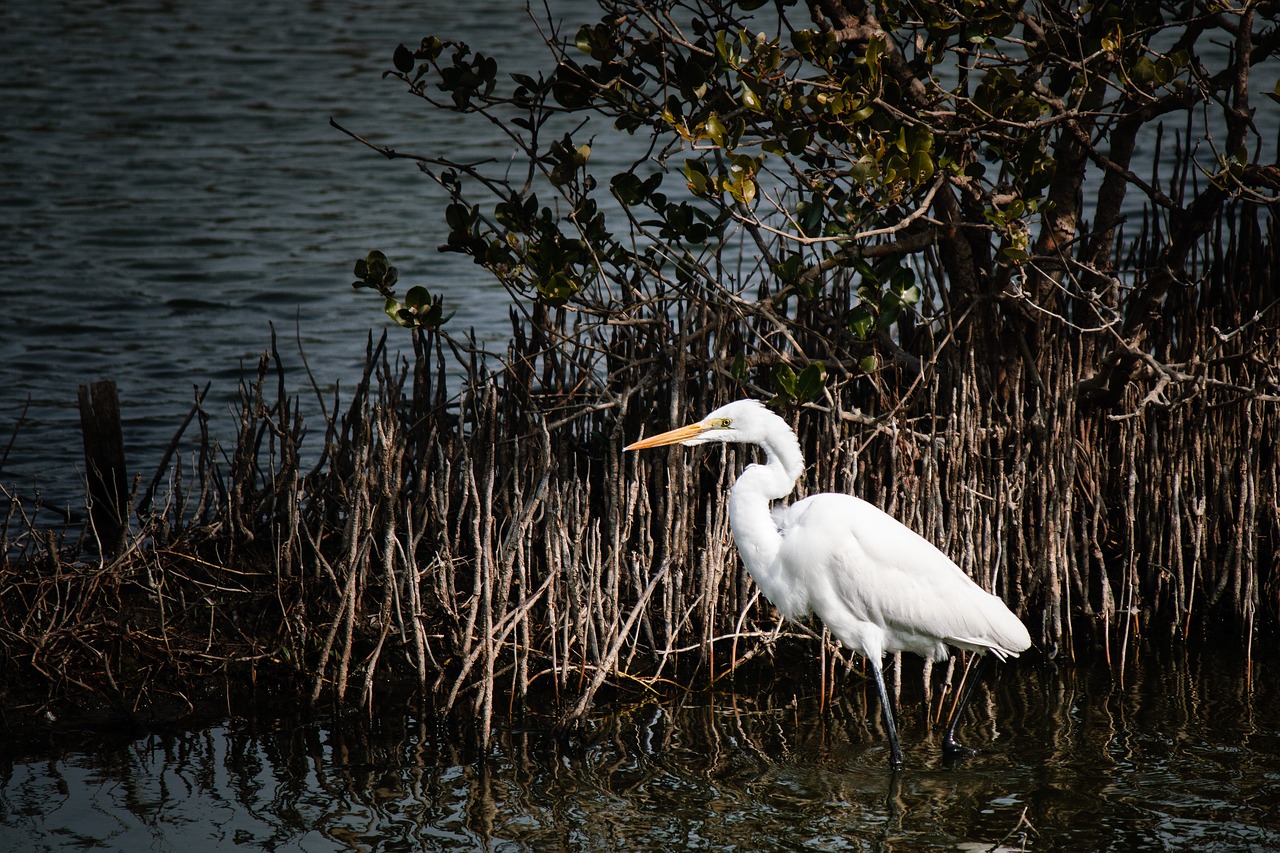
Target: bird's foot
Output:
[(952, 748)]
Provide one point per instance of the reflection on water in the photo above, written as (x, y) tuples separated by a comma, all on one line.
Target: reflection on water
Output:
[(1183, 755)]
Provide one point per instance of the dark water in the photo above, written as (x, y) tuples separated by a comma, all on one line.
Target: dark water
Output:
[(170, 186), (1184, 754)]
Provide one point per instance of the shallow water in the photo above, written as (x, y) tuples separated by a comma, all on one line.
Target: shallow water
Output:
[(1183, 755)]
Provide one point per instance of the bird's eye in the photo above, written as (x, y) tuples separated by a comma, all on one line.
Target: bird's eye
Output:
[(721, 423)]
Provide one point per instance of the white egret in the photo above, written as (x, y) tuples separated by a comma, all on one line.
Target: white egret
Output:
[(876, 584)]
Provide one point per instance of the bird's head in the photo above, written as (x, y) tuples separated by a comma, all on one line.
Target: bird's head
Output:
[(745, 421)]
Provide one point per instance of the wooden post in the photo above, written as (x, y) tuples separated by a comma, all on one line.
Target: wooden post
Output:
[(104, 463)]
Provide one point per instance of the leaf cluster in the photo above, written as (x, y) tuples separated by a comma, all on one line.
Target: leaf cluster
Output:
[(876, 169), (419, 310)]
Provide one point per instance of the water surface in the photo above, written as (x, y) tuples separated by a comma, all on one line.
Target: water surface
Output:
[(1183, 754), (170, 187)]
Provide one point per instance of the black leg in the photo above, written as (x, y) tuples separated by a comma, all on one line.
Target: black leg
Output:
[(950, 746), (895, 749)]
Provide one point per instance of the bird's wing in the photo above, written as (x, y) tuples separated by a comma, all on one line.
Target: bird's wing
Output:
[(864, 567)]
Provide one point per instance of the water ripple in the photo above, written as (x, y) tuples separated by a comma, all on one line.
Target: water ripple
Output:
[(172, 187)]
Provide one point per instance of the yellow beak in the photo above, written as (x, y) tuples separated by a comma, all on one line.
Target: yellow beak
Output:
[(675, 436)]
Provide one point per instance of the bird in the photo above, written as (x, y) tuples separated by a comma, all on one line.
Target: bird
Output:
[(876, 584)]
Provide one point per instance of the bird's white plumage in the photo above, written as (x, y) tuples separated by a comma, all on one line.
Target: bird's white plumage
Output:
[(880, 587), (876, 584)]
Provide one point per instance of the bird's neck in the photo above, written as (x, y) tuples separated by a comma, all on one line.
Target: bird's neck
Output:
[(774, 480), (754, 530)]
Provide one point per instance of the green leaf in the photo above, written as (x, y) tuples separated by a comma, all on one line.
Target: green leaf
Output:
[(696, 174), (741, 187), (557, 289), (402, 59), (875, 49), (798, 139), (862, 321), (785, 378), (789, 268), (890, 308), (714, 129), (809, 384), (436, 316), (723, 50), (1144, 72), (417, 297), (392, 308), (455, 216), (920, 167), (627, 188), (864, 170), (430, 48)]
